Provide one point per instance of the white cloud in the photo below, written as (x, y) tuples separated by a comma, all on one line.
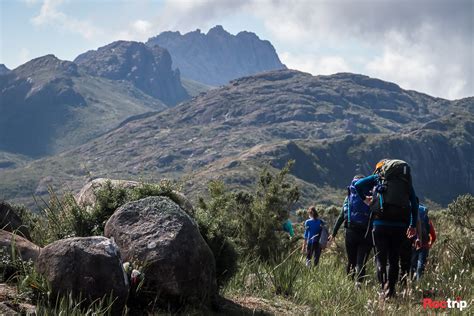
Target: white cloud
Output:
[(425, 45), (314, 64), (142, 26), (23, 56), (51, 15)]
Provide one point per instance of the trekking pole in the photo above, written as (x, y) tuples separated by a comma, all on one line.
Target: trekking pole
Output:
[(368, 225), (291, 253)]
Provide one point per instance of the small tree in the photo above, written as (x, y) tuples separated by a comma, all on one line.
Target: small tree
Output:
[(252, 221), (260, 226), (461, 211)]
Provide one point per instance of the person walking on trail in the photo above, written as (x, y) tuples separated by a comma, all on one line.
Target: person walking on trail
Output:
[(393, 207), (406, 254), (423, 242), (312, 234), (288, 228), (355, 215)]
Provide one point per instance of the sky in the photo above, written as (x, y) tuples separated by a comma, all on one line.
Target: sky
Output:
[(422, 45)]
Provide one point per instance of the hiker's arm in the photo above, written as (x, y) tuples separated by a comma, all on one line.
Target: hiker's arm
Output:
[(414, 208), (339, 220), (306, 236), (364, 185), (432, 233)]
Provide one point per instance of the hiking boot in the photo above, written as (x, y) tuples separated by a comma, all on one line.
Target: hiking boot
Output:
[(390, 293)]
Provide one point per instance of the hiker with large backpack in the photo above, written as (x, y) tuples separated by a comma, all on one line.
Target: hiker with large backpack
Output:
[(355, 215), (406, 253), (315, 237), (393, 207), (423, 242)]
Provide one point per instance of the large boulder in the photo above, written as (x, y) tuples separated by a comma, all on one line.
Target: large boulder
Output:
[(156, 232), (15, 247), (10, 221), (87, 195), (87, 267)]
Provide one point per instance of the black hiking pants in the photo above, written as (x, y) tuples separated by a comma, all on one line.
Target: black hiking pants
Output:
[(405, 260), (358, 249), (313, 250), (387, 241)]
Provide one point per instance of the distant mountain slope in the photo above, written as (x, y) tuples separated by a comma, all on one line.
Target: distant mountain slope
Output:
[(333, 126), (3, 69), (147, 68), (48, 105), (217, 57)]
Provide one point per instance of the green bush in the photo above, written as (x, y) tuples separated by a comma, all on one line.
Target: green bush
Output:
[(244, 223), (461, 212)]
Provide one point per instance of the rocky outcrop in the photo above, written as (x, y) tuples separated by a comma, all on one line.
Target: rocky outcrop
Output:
[(179, 266), (11, 222), (147, 68), (217, 57), (87, 195), (14, 248), (87, 267)]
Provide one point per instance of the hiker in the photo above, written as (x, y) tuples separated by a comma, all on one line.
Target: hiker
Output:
[(393, 207), (288, 228), (423, 243), (311, 245), (406, 253), (405, 259), (355, 216)]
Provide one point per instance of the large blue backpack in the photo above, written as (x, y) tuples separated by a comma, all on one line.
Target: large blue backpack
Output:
[(358, 213)]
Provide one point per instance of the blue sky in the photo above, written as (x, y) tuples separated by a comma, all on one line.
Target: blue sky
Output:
[(423, 45)]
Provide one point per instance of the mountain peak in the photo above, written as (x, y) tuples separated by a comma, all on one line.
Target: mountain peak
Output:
[(217, 30), (48, 65), (3, 69), (218, 57), (148, 68)]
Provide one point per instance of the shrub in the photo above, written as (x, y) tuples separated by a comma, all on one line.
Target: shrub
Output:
[(251, 221), (461, 212)]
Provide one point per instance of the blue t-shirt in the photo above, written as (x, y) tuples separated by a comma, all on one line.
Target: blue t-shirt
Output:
[(312, 229)]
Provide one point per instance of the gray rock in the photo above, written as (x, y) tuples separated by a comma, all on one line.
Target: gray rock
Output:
[(88, 267), (179, 266), (21, 248), (87, 196), (11, 222), (6, 309)]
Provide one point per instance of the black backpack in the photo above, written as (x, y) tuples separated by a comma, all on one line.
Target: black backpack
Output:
[(391, 200)]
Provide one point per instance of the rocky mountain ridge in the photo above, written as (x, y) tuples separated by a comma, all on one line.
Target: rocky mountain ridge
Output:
[(48, 105), (332, 126), (217, 57), (147, 68)]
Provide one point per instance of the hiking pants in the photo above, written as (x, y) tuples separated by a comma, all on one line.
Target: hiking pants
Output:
[(358, 249), (418, 261), (313, 250), (405, 259), (387, 241)]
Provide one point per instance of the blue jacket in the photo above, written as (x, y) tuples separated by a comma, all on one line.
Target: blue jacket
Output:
[(367, 183), (312, 230)]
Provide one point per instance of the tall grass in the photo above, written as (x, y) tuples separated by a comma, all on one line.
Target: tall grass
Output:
[(327, 290)]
